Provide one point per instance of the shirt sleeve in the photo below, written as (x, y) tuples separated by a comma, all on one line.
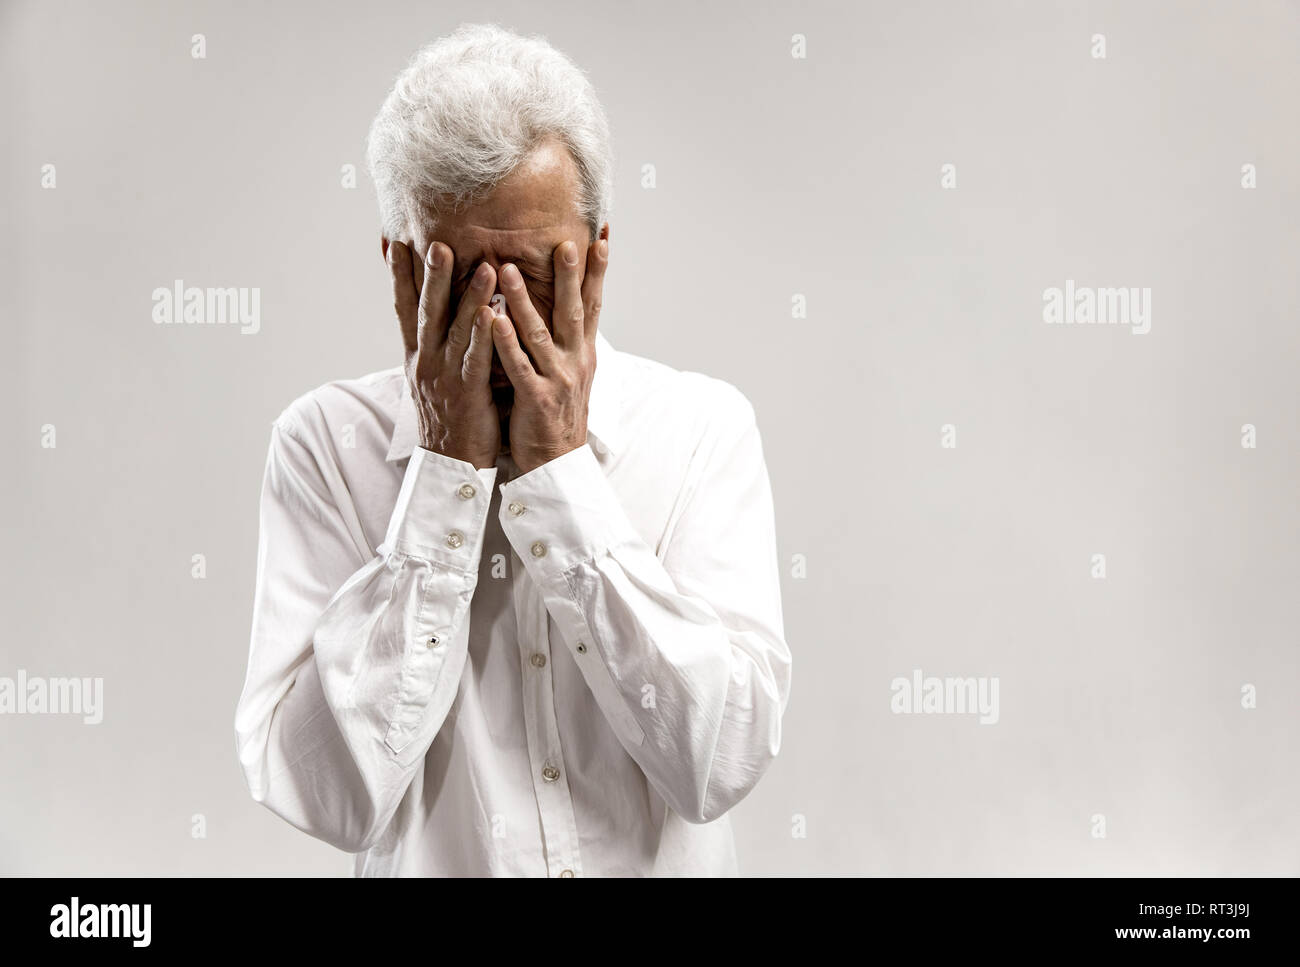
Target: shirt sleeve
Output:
[(354, 663), (684, 649)]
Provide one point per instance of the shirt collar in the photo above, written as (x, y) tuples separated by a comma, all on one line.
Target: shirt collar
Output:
[(604, 408)]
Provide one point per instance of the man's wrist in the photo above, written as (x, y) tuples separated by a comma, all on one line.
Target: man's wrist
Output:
[(478, 462), (529, 460)]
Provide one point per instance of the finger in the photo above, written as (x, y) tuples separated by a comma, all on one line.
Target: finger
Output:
[(593, 287), (417, 271), (477, 365), (434, 293), (513, 360), (478, 294), (405, 300), (568, 314), (531, 326)]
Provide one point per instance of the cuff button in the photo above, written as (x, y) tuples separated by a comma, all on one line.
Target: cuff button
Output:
[(466, 491), (455, 539), (516, 508), (539, 549)]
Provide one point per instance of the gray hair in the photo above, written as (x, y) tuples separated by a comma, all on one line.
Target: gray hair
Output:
[(468, 108)]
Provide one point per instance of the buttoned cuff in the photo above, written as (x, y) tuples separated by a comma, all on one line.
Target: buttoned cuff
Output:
[(441, 510), (562, 513)]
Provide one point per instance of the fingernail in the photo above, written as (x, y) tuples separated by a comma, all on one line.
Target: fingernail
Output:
[(570, 253), (434, 256), (481, 276), (510, 273), (603, 247), (502, 325)]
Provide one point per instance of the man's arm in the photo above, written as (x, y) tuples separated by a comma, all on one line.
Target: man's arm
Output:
[(354, 663), (686, 656)]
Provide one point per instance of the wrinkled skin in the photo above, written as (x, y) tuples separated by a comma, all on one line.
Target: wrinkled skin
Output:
[(484, 385)]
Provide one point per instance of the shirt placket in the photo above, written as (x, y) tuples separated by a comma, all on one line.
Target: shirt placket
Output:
[(550, 780)]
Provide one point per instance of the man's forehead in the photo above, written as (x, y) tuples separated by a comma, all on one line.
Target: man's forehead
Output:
[(472, 242), (522, 219)]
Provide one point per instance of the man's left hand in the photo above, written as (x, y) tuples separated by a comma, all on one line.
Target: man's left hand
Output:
[(549, 415)]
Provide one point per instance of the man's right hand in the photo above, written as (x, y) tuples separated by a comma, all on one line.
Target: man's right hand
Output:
[(447, 367)]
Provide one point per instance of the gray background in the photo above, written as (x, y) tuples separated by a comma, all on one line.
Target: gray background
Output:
[(776, 176)]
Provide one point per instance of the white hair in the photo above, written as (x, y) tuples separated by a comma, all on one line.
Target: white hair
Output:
[(468, 108)]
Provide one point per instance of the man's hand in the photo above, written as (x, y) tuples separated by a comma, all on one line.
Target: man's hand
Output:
[(549, 416), (447, 366)]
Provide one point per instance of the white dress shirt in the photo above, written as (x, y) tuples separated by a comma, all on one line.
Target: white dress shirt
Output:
[(573, 671)]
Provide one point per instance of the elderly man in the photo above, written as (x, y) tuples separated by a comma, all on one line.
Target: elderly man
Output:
[(518, 605)]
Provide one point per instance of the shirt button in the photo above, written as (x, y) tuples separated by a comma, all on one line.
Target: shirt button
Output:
[(582, 648), (550, 773), (467, 491), (538, 660), (516, 508), (539, 549), (455, 539), (433, 641), (567, 874)]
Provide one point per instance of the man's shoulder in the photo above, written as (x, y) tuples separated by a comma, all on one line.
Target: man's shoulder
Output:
[(324, 410), (658, 392)]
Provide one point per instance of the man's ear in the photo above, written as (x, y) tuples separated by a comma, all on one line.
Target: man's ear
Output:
[(604, 232)]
